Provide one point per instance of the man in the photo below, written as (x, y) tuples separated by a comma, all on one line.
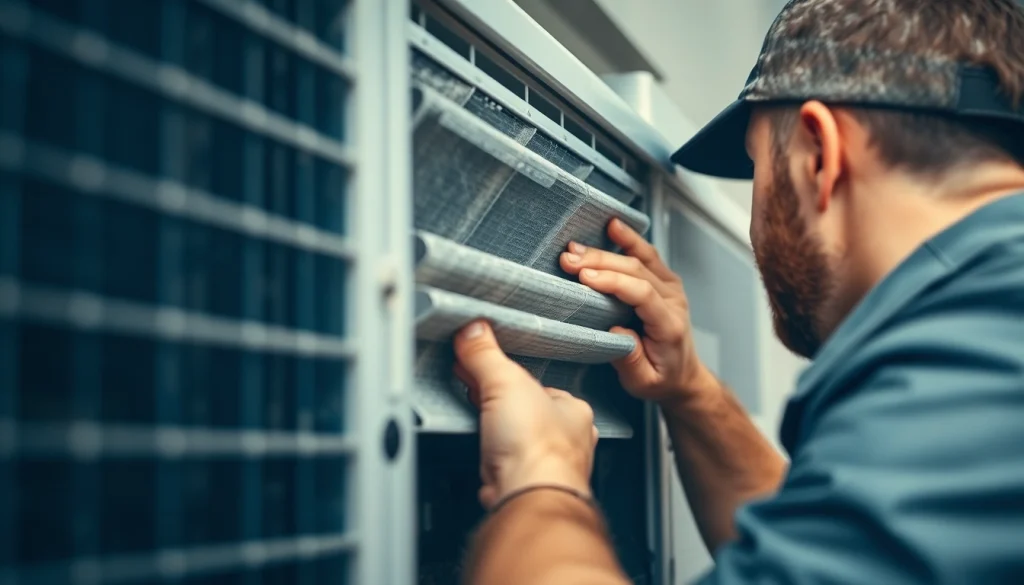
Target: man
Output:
[(888, 225)]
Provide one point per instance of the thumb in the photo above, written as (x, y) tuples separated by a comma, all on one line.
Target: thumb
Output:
[(635, 369), (488, 496), (477, 351)]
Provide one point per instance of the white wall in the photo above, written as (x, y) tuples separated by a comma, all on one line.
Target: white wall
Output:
[(704, 49), (569, 35)]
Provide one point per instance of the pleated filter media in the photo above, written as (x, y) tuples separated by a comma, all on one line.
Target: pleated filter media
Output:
[(496, 202)]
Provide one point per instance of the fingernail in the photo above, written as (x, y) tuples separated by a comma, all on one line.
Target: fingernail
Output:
[(573, 259), (588, 273), (616, 223), (473, 331), (577, 248)]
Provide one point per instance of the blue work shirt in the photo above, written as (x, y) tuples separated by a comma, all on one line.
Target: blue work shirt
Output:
[(906, 434)]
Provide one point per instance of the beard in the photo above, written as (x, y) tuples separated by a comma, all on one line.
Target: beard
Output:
[(794, 266)]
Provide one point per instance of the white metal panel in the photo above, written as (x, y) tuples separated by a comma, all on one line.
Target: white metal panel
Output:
[(690, 558), (383, 217)]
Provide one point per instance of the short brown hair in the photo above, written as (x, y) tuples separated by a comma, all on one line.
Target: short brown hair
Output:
[(988, 33)]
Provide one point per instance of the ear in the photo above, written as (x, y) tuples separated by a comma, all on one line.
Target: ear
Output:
[(822, 148)]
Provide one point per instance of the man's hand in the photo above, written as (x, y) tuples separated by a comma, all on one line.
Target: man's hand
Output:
[(723, 460), (530, 435), (664, 367)]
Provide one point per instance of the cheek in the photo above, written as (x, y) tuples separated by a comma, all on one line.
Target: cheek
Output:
[(759, 197), (756, 222)]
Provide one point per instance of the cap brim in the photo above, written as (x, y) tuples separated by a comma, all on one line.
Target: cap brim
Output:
[(719, 149)]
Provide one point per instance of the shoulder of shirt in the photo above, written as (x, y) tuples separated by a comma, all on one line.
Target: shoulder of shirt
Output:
[(962, 320)]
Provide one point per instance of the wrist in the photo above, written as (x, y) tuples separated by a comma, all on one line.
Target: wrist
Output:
[(545, 472), (691, 392), (544, 492)]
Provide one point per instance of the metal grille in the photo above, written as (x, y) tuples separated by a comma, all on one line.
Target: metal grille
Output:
[(487, 179), (175, 351), (437, 35)]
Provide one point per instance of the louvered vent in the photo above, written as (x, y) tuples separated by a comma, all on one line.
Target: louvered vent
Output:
[(174, 292), (497, 198)]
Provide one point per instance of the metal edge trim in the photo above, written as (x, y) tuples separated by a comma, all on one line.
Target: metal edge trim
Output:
[(435, 49)]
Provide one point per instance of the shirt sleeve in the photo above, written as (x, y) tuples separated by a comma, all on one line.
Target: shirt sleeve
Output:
[(913, 474)]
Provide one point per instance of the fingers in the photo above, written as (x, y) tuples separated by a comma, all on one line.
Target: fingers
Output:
[(635, 370), (582, 409), (580, 257), (557, 394), (576, 408), (488, 495), (571, 405), (472, 389), (482, 362), (463, 374), (633, 244), (660, 321)]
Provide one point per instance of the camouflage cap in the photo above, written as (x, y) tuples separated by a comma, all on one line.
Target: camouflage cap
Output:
[(816, 67)]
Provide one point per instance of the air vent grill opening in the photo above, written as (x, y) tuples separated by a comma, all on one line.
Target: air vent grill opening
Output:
[(175, 290), (448, 37), (551, 111), (497, 201), (566, 121), (504, 77)]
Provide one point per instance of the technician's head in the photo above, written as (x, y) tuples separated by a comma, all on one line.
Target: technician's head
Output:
[(867, 127)]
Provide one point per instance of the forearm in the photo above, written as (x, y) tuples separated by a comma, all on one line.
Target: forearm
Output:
[(722, 458), (544, 537)]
